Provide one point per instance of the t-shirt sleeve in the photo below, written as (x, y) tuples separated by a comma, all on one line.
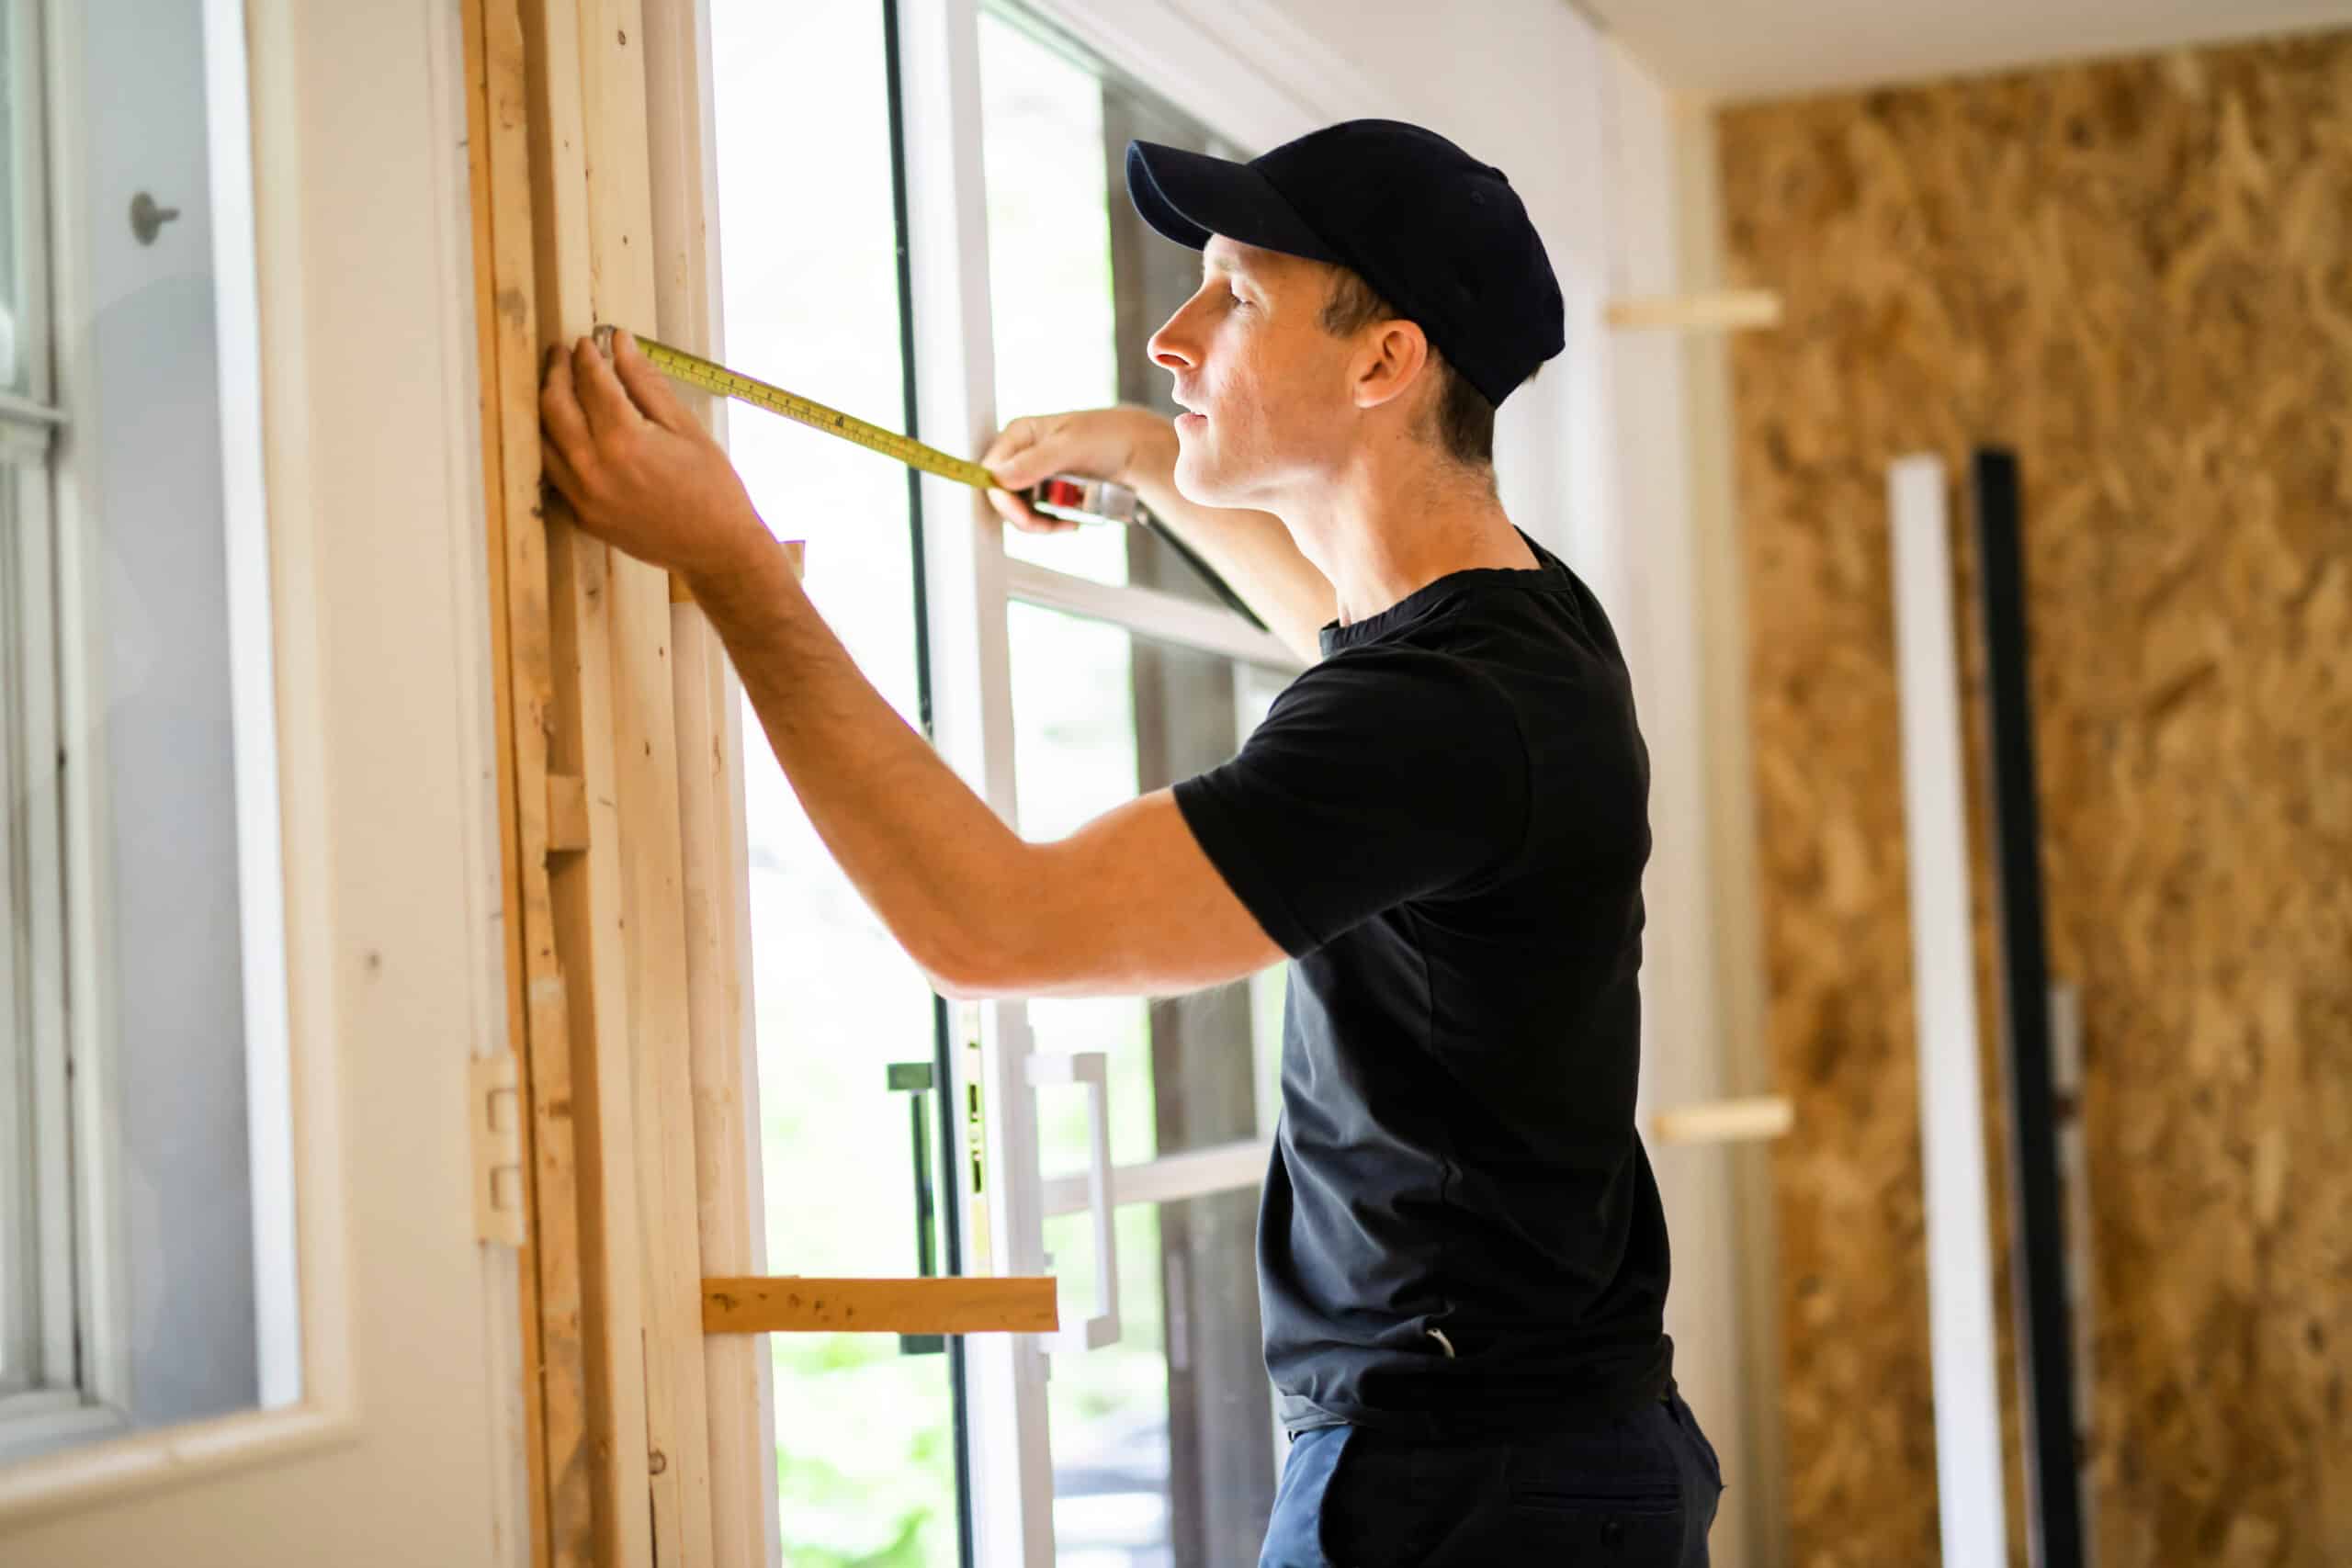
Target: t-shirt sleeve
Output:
[(1380, 775)]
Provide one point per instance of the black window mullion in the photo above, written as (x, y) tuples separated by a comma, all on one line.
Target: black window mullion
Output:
[(942, 1032)]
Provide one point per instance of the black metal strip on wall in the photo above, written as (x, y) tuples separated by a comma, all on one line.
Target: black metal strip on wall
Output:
[(2045, 1340)]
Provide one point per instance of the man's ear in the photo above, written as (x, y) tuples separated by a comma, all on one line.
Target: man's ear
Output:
[(1398, 355)]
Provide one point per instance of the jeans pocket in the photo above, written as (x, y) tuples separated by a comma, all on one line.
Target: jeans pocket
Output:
[(1390, 1499)]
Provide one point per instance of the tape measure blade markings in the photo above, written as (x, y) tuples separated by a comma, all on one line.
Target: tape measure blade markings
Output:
[(712, 377), (1065, 496)]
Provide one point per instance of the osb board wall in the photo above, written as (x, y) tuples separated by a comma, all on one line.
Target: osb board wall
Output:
[(2139, 276)]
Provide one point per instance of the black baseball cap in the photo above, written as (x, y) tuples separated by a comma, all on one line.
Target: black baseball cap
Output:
[(1439, 234)]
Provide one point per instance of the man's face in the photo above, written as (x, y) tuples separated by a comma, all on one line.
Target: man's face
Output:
[(1267, 385)]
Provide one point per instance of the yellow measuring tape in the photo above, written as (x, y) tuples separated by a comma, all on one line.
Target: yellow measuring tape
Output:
[(1067, 496), (712, 377)]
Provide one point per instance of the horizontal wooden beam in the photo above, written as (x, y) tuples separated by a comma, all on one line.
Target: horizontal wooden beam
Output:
[(1728, 310), (790, 1304), (1724, 1121)]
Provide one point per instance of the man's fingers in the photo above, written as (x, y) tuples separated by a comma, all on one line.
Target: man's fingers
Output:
[(1016, 459), (600, 393), (648, 388), (560, 415), (1015, 509), (1012, 508), (560, 473)]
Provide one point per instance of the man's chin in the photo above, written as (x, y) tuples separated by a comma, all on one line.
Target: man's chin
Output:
[(1199, 484)]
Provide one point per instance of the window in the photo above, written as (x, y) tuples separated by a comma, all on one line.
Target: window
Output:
[(146, 1211)]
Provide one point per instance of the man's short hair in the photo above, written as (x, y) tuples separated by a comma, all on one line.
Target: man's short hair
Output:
[(1464, 419)]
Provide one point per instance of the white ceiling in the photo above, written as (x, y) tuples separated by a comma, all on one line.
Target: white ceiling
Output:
[(1767, 49)]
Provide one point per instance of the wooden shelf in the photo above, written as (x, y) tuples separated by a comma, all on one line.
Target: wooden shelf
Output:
[(1724, 1121), (1726, 312)]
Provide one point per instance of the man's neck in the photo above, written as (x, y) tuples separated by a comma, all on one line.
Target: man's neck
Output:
[(1379, 542)]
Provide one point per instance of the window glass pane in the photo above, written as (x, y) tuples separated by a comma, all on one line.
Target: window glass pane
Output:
[(1049, 258), (1164, 1448), (1098, 718), (808, 263)]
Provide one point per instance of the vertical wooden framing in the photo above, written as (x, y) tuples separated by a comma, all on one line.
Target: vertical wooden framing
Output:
[(602, 919), (494, 80), (721, 1059), (559, 1401)]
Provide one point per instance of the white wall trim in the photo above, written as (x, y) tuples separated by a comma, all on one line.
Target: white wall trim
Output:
[(1943, 979)]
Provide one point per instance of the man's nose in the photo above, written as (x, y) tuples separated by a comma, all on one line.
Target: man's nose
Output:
[(1168, 348)]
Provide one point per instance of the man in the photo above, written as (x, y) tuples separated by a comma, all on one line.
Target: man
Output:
[(1443, 824)]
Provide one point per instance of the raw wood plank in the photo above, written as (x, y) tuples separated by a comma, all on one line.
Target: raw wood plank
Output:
[(556, 1394), (724, 1169), (566, 815), (493, 70), (790, 1305), (645, 772), (588, 954)]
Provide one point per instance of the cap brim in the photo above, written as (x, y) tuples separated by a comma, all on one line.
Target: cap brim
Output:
[(1190, 196)]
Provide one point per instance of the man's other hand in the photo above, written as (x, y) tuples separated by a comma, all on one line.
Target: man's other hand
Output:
[(1111, 443), (640, 472)]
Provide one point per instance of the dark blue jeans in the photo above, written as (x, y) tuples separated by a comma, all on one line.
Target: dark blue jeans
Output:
[(1636, 1492)]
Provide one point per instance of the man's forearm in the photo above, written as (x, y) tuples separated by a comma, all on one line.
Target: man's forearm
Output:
[(1252, 550), (928, 855)]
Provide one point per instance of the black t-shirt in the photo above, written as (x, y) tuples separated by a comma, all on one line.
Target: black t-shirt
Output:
[(1444, 824)]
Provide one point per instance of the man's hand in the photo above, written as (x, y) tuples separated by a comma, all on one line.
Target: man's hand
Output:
[(639, 471), (1116, 444)]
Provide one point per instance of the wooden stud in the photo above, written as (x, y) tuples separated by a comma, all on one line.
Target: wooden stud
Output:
[(643, 737), (1729, 310), (492, 73), (587, 893), (558, 1395), (790, 1305), (721, 1161)]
